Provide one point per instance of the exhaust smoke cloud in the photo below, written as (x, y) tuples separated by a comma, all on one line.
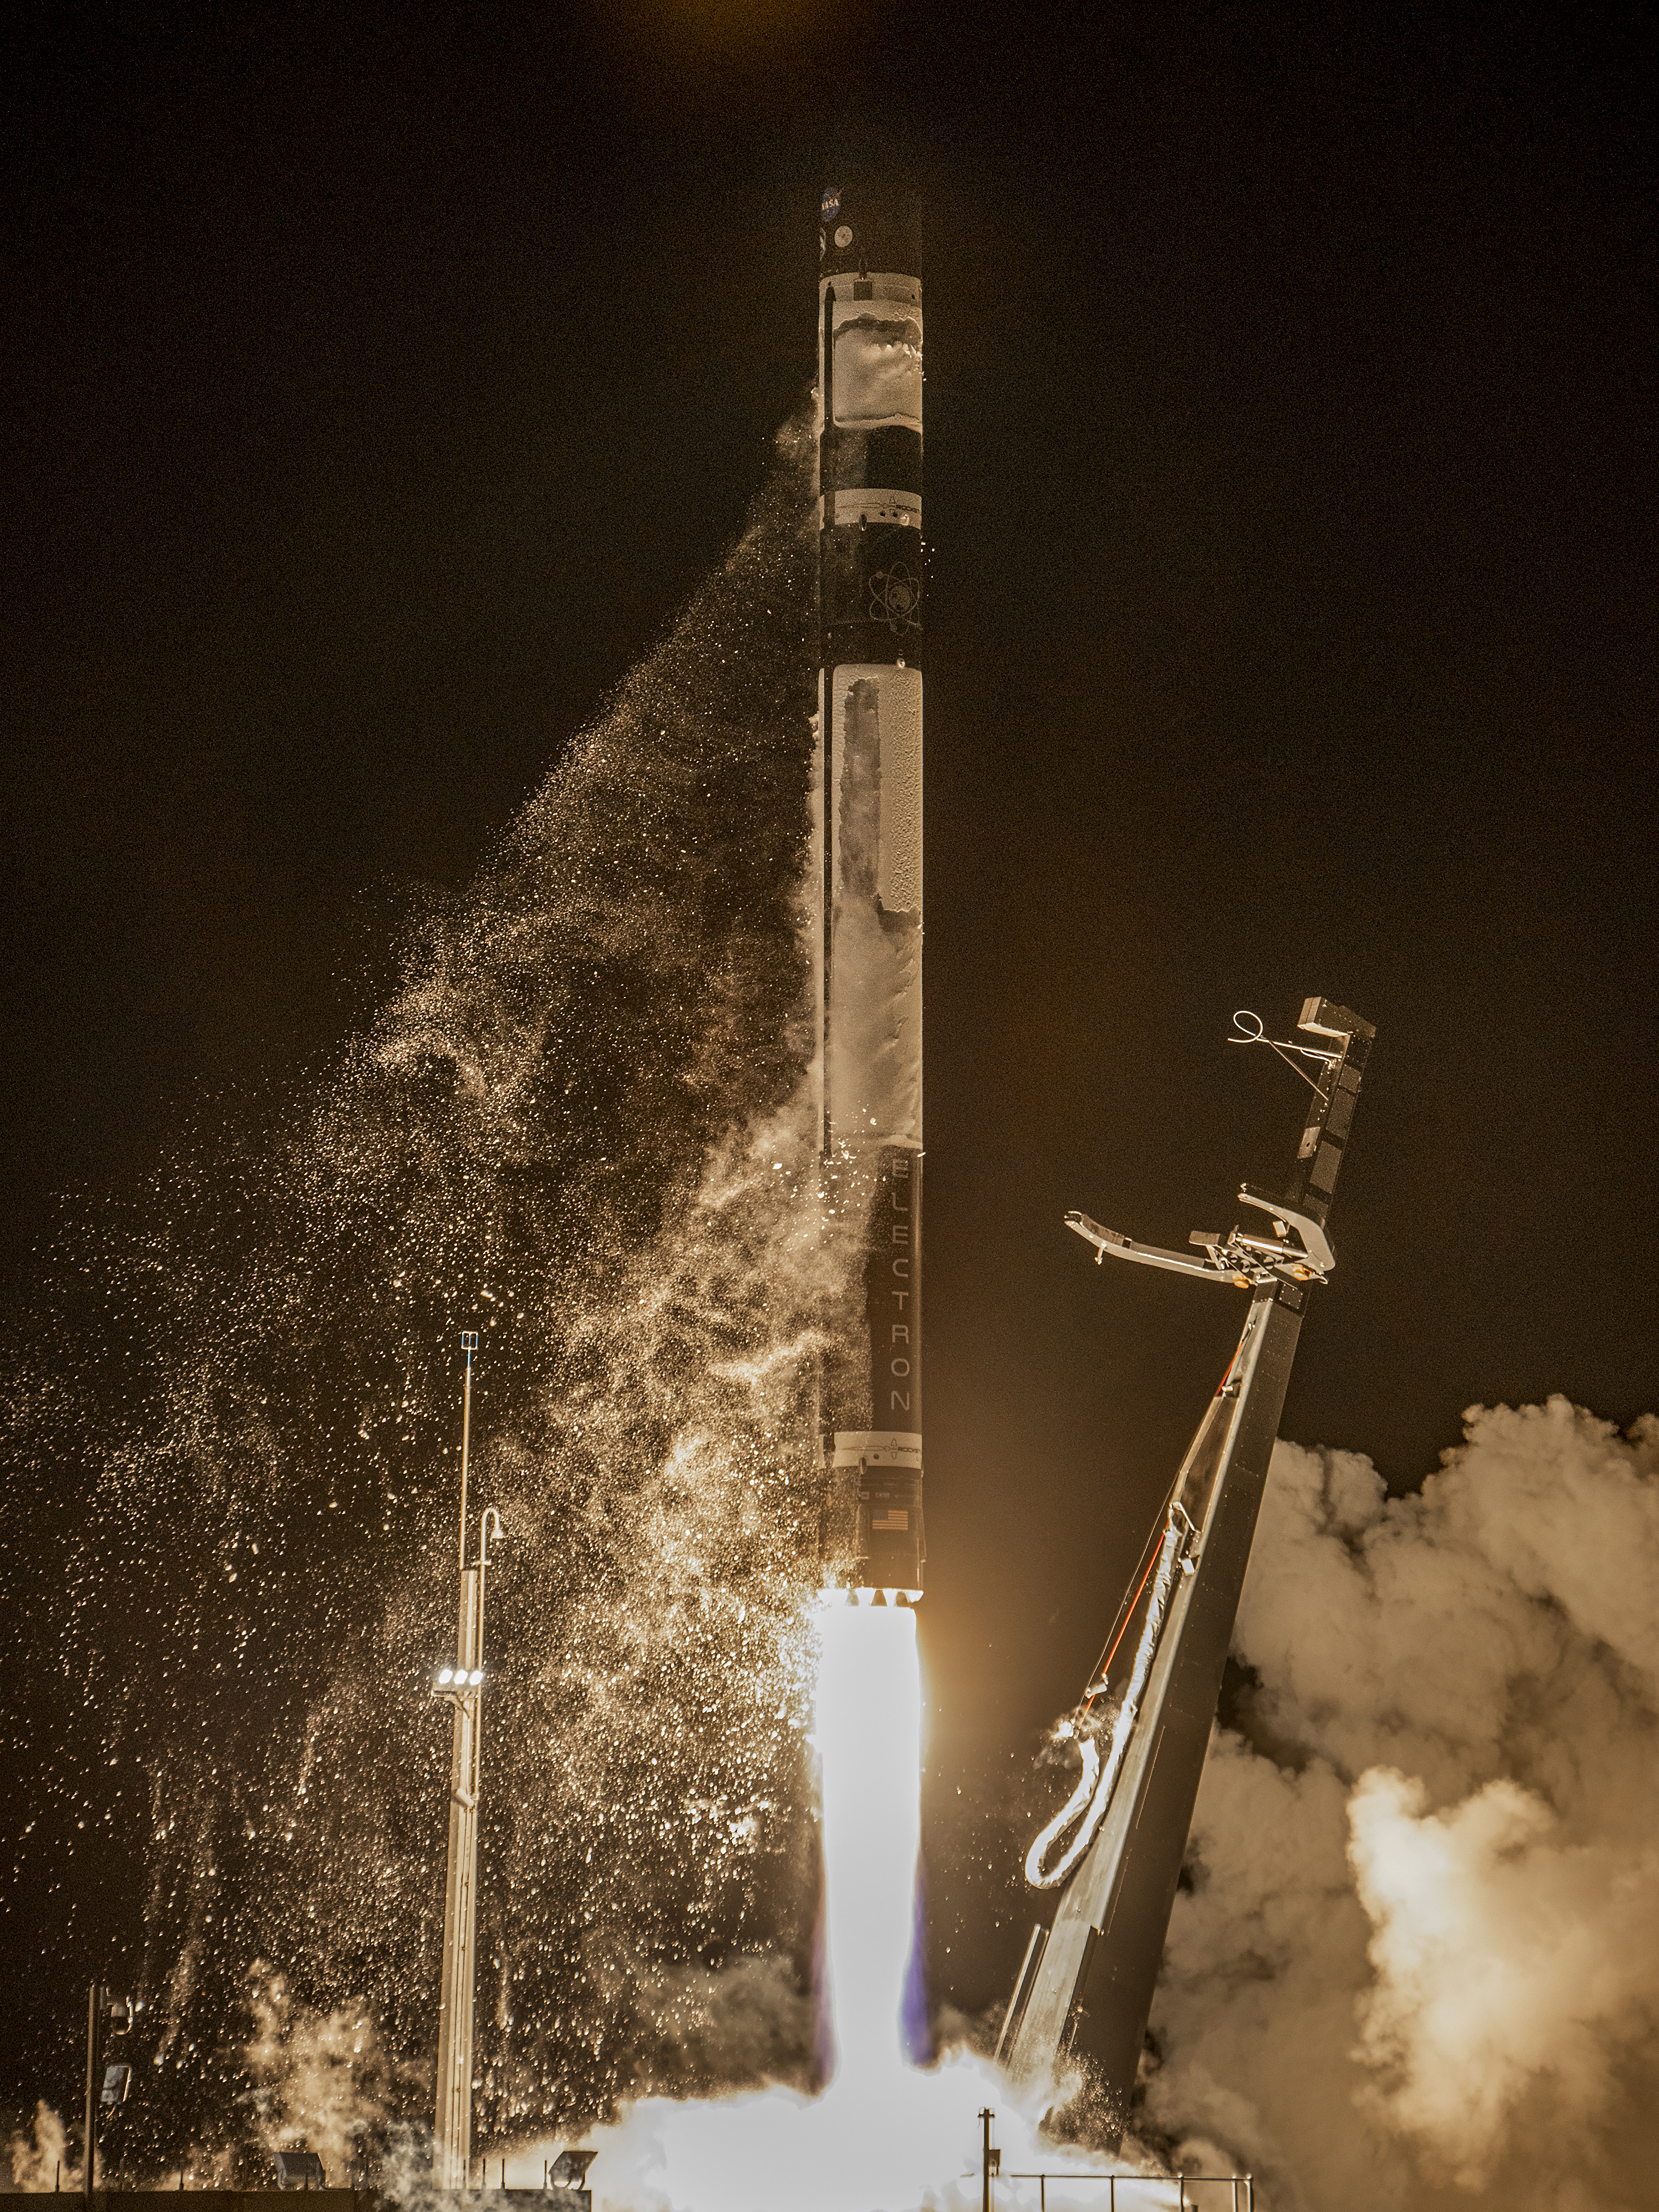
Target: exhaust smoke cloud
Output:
[(1420, 1961)]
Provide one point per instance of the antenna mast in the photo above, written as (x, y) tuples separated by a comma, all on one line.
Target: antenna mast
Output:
[(463, 1685)]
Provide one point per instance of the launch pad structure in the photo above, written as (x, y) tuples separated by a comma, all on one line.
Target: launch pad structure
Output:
[(1086, 1984)]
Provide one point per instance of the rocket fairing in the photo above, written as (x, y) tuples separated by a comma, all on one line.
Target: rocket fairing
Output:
[(868, 789)]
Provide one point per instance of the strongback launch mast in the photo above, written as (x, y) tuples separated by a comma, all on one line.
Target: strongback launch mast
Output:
[(1086, 1984)]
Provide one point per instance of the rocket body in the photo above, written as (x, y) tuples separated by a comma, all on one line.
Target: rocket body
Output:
[(869, 790)]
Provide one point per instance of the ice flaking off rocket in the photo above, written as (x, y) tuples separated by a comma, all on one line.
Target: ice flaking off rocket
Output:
[(868, 787)]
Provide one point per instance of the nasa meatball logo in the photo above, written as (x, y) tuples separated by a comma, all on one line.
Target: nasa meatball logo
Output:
[(830, 204), (895, 598)]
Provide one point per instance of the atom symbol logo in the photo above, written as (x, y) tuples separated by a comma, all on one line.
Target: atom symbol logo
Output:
[(895, 597)]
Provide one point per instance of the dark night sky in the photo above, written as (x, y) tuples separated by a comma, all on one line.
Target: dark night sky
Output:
[(381, 380)]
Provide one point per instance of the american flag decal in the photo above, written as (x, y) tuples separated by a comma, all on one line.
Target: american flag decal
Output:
[(895, 1517)]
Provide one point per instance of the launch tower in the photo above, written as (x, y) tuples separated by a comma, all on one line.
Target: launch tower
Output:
[(1086, 1984)]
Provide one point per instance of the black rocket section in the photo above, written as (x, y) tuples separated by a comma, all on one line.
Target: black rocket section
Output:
[(869, 787)]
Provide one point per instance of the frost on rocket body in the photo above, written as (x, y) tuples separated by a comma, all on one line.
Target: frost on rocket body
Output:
[(1420, 1957), (873, 1073), (878, 368)]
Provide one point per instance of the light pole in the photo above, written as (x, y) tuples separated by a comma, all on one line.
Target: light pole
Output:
[(102, 2011), (463, 1685), (991, 2160)]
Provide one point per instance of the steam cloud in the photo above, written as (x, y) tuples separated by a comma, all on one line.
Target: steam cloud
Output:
[(321, 2080), (42, 2159), (1419, 1962)]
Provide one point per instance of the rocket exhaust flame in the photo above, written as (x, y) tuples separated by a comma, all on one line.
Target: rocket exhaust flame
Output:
[(869, 1738), (883, 2133)]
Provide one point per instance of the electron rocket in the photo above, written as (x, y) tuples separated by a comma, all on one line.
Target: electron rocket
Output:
[(868, 794)]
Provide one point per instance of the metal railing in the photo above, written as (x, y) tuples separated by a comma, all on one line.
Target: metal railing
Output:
[(1195, 2191)]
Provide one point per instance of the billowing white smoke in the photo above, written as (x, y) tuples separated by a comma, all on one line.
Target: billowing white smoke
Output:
[(41, 2159), (1420, 1961), (321, 2080)]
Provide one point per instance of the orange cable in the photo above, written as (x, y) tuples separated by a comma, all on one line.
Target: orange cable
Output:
[(1128, 1616)]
